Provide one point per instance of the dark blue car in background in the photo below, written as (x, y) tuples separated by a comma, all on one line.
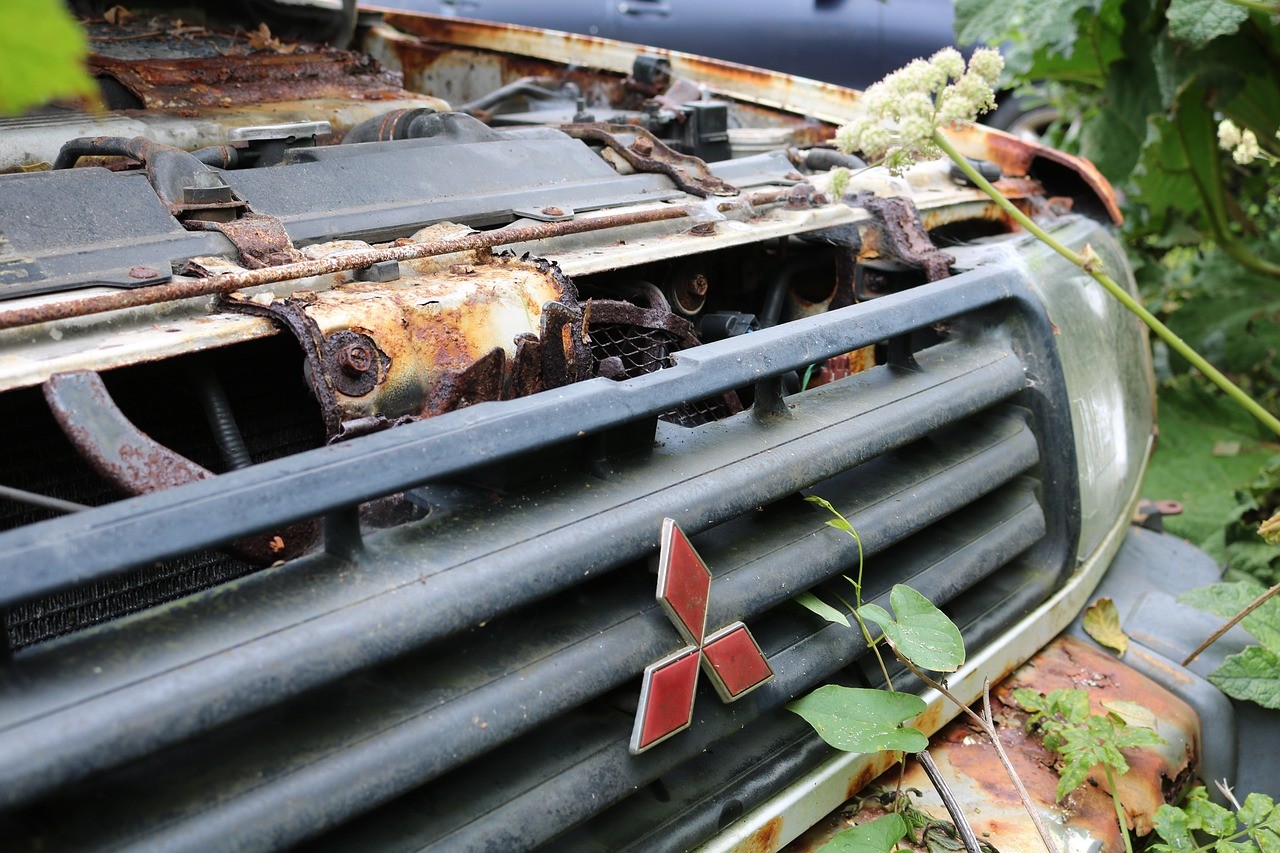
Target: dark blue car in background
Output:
[(847, 42)]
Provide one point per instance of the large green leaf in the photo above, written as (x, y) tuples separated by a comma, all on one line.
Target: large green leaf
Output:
[(981, 20), (1199, 22), (918, 630), (1228, 599), (856, 719), (1252, 675), (43, 50), (879, 836)]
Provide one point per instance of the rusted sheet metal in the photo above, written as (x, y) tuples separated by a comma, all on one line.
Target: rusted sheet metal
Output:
[(358, 259), (438, 338), (260, 240), (169, 66), (138, 465), (1018, 157), (805, 98), (1085, 820), (904, 236)]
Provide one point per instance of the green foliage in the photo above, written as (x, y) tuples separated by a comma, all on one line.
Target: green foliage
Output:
[(921, 632), (43, 50), (1256, 826), (1083, 740), (1199, 22), (878, 836), (1228, 599), (1143, 84), (1247, 555), (856, 719), (1252, 675)]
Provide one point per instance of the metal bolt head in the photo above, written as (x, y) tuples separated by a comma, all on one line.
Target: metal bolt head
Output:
[(552, 211), (144, 273), (355, 359), (642, 146)]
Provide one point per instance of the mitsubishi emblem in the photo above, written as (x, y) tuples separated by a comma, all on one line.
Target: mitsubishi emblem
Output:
[(730, 656)]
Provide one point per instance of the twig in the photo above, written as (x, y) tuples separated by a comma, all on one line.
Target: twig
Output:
[(1227, 792), (989, 726), (1232, 622), (1008, 767), (948, 799)]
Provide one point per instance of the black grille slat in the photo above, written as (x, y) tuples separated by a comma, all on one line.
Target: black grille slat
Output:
[(333, 755), (544, 803), (240, 642)]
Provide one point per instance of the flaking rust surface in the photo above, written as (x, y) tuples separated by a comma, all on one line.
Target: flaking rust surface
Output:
[(973, 770)]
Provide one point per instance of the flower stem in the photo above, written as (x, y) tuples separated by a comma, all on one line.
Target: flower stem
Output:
[(1164, 332)]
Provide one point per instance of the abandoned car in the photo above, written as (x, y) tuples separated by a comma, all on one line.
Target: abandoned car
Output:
[(359, 396)]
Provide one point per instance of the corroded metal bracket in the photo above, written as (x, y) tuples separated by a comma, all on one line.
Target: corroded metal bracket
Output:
[(139, 465), (645, 152), (441, 337), (907, 240)]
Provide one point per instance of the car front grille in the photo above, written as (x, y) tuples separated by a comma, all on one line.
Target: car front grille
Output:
[(468, 681)]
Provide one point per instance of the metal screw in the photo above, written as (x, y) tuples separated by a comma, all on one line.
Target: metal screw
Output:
[(552, 211), (642, 146), (355, 359), (144, 273)]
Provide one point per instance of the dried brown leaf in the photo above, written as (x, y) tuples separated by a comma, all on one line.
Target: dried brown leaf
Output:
[(1102, 622), (117, 15)]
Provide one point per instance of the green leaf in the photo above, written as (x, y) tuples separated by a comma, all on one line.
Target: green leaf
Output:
[(1256, 810), (816, 605), (1053, 23), (879, 836), (1252, 675), (1210, 817), (921, 632), (1102, 622), (44, 51), (856, 719), (1201, 21), (1228, 599), (1174, 826), (985, 20)]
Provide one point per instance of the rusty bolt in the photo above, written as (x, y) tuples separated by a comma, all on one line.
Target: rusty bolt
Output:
[(552, 211), (355, 359), (698, 286), (642, 146), (144, 273)]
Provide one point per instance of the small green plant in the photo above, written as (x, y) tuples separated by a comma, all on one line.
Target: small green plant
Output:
[(1253, 826), (1085, 740), (860, 720)]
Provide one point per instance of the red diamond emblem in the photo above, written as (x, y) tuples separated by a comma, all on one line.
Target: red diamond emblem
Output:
[(730, 656)]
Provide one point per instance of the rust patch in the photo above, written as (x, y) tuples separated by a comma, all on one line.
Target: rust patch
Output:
[(444, 337), (763, 840), (174, 69), (904, 234)]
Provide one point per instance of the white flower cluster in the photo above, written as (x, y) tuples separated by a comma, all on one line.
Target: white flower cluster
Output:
[(1242, 143), (903, 110)]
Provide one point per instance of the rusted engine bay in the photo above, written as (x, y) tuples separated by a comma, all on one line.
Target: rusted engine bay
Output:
[(302, 212)]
